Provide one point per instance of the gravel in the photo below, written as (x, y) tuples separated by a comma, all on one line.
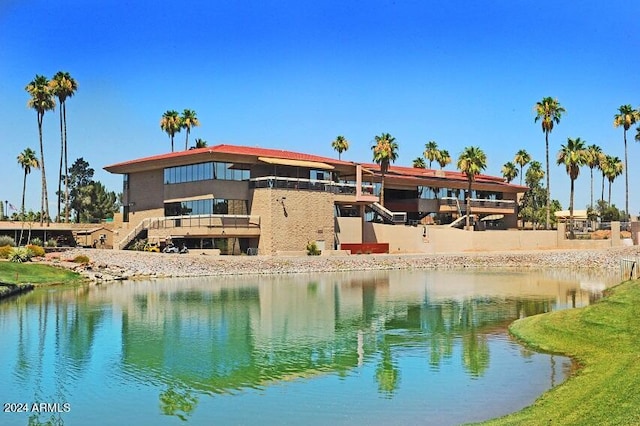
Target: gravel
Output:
[(107, 265)]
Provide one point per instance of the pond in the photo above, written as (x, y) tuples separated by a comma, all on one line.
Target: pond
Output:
[(399, 347)]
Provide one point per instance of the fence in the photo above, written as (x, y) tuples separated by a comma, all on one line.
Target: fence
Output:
[(629, 268)]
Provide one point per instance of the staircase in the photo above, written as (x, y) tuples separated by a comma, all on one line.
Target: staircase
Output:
[(144, 224), (388, 216)]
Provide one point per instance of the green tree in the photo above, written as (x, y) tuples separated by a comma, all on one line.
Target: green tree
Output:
[(573, 155), (613, 168), (548, 111), (443, 158), (626, 117), (385, 151), (431, 152), (532, 206), (510, 171), (188, 120), (171, 124), (27, 160), (522, 158), (41, 101), (103, 204), (418, 163), (201, 143), (471, 162), (63, 86), (80, 179), (594, 157), (340, 144)]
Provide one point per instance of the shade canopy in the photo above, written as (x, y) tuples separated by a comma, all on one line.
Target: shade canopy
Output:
[(296, 163)]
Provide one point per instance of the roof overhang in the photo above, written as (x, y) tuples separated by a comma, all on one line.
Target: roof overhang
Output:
[(183, 199), (296, 163)]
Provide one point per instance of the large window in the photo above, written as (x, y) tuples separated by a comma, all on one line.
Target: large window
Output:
[(210, 206), (205, 171)]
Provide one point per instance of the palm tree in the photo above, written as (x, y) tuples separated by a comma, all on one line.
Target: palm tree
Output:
[(573, 155), (201, 143), (626, 117), (593, 160), (41, 101), (188, 120), (27, 160), (385, 151), (171, 124), (340, 144), (471, 162), (431, 151), (418, 163), (443, 158), (510, 171), (63, 86), (638, 134), (522, 158), (549, 111), (613, 168)]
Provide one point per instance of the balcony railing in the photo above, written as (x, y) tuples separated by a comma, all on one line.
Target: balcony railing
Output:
[(206, 221), (279, 182), (478, 202)]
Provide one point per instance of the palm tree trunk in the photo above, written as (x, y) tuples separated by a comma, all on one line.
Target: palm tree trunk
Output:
[(571, 235), (468, 212), (171, 143), (602, 195), (44, 199), (24, 190), (186, 141), (548, 221), (382, 191), (626, 178), (59, 193), (610, 182), (66, 166), (591, 189)]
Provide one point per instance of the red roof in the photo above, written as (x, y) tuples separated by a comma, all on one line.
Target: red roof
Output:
[(234, 149)]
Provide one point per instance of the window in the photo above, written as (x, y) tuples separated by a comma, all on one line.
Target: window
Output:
[(204, 171), (206, 207)]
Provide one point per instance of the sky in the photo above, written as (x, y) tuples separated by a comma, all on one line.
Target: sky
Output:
[(294, 75)]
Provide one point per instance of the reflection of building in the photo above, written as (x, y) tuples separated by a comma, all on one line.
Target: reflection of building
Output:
[(242, 199)]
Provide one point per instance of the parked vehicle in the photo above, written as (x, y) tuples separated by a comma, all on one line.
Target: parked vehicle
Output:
[(152, 247), (170, 248)]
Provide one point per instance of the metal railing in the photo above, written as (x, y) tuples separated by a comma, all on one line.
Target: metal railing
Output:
[(208, 221), (477, 202), (280, 182)]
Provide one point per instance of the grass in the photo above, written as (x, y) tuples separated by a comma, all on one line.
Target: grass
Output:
[(19, 273), (604, 339)]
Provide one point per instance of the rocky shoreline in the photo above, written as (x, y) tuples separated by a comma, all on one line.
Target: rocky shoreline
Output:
[(108, 265)]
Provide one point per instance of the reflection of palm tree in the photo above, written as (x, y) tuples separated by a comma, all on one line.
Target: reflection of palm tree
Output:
[(387, 372), (179, 403)]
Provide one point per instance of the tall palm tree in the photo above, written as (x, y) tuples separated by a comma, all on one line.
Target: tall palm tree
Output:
[(41, 101), (548, 111), (471, 162), (187, 121), (201, 143), (63, 86), (385, 151), (431, 151), (443, 158), (418, 163), (626, 117), (340, 144), (27, 160), (573, 155), (171, 124), (593, 160), (509, 171), (613, 168), (522, 158)]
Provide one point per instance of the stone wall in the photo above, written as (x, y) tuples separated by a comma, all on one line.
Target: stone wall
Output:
[(290, 219)]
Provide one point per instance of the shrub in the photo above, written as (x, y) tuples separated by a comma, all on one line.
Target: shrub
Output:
[(4, 252), (36, 250), (20, 254), (36, 242), (81, 258), (6, 240), (52, 243), (138, 245), (312, 249)]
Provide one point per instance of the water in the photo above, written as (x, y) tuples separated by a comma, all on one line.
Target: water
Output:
[(398, 347)]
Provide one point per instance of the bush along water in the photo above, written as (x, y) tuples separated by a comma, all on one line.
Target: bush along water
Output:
[(312, 249)]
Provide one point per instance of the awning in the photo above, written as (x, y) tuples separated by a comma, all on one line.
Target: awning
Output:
[(296, 163), (577, 214), (196, 198), (493, 217)]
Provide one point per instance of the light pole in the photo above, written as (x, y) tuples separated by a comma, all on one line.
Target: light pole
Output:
[(6, 206)]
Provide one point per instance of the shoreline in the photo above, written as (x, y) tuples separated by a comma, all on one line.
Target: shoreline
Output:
[(109, 265)]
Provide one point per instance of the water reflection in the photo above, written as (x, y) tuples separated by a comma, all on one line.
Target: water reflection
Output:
[(186, 341)]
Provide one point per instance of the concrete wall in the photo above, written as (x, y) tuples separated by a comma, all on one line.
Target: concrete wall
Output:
[(229, 189), (349, 229), (146, 190), (290, 219)]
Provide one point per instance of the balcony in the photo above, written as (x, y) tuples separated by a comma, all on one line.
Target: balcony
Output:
[(346, 192), (478, 205)]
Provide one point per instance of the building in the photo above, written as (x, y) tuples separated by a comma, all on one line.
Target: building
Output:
[(240, 199)]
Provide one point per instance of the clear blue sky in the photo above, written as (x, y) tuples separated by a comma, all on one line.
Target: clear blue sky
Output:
[(295, 74)]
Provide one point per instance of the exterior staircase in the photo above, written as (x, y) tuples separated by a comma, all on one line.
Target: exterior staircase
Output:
[(394, 218)]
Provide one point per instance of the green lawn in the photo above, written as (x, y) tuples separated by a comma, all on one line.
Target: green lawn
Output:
[(34, 273), (605, 339)]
